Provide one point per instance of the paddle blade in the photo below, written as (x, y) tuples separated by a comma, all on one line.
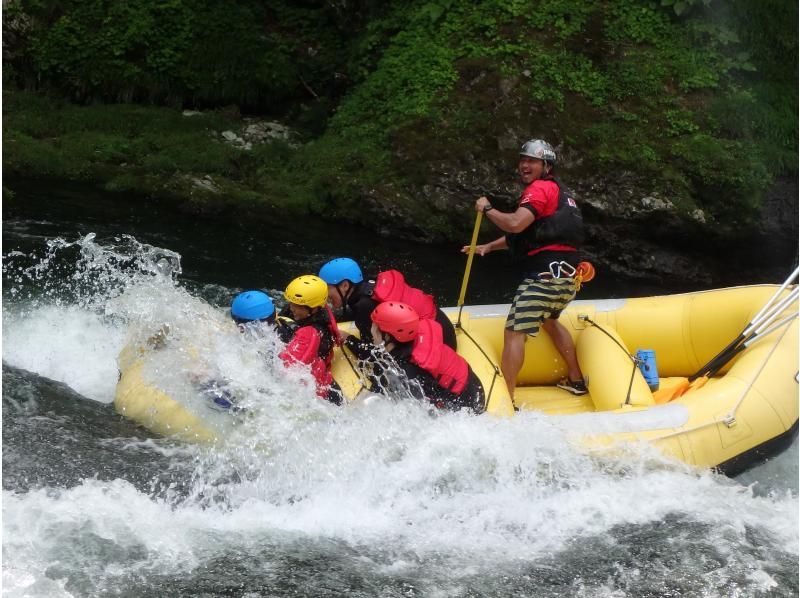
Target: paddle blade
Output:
[(672, 392), (698, 383)]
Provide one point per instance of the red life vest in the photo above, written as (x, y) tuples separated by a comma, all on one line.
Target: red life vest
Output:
[(432, 355), (391, 286), (306, 346)]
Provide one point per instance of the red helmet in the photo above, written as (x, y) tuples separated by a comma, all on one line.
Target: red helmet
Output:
[(398, 319)]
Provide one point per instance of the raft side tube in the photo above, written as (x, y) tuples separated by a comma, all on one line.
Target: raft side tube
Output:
[(484, 359), (148, 406), (609, 370)]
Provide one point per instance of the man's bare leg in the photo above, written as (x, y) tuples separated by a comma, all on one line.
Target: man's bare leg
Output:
[(565, 346), (513, 357)]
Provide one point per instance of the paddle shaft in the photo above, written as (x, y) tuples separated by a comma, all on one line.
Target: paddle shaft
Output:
[(764, 316), (741, 347), (785, 284), (770, 314), (471, 254)]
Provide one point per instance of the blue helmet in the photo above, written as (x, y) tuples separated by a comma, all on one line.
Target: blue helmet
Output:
[(339, 269), (252, 305)]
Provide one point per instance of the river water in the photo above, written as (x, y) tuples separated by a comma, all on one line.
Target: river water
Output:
[(306, 499)]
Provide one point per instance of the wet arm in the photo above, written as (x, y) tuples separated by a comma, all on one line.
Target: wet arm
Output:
[(511, 222)]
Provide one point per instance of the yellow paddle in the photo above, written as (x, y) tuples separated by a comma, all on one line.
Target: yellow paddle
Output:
[(470, 255)]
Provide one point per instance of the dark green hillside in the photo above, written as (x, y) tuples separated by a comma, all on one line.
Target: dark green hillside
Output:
[(401, 112)]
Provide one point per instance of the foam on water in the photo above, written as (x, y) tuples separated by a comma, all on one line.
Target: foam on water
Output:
[(68, 310), (59, 342), (393, 484), (440, 491)]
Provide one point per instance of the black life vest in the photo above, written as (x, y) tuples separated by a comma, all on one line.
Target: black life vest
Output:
[(562, 227)]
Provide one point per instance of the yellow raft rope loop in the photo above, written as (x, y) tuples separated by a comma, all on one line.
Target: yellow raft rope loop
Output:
[(730, 418), (489, 394), (362, 379)]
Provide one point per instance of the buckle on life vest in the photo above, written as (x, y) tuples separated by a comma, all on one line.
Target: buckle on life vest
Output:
[(560, 269)]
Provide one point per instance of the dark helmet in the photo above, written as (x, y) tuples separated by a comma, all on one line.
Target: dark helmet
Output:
[(339, 269), (539, 149), (398, 319), (252, 305)]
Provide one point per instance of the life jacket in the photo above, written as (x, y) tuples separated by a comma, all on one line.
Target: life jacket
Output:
[(562, 227), (391, 286), (312, 344), (432, 355)]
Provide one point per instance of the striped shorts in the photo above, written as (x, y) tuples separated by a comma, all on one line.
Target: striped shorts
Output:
[(537, 300)]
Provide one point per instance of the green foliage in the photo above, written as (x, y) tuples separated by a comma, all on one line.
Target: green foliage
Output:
[(677, 91), (770, 123), (23, 154), (726, 173), (178, 52), (565, 18), (637, 22), (681, 7), (410, 77), (114, 141), (681, 122)]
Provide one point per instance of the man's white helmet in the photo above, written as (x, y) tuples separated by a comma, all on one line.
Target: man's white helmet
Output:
[(540, 149)]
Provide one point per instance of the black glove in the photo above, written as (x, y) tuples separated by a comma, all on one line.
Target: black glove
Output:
[(359, 348)]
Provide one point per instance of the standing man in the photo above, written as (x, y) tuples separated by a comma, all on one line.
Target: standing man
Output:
[(546, 229)]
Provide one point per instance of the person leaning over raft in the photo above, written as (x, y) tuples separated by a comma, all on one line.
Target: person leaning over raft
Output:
[(252, 310), (416, 346), (546, 227), (315, 333), (357, 298)]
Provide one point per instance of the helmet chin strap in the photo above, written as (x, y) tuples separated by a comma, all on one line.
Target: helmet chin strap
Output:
[(344, 297)]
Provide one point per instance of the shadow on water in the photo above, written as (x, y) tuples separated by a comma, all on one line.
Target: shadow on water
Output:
[(263, 255), (54, 437)]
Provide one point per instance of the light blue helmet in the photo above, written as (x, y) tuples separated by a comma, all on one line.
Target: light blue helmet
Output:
[(339, 269), (252, 305)]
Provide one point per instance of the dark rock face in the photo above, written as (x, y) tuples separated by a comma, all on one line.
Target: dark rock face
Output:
[(778, 225), (637, 227), (630, 232)]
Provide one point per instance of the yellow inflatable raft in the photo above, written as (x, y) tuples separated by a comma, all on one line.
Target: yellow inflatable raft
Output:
[(745, 410)]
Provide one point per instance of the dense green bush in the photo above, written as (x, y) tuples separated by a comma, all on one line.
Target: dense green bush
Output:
[(178, 52), (682, 93), (669, 91)]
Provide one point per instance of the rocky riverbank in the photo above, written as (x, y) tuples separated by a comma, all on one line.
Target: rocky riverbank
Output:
[(219, 164), (675, 122)]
